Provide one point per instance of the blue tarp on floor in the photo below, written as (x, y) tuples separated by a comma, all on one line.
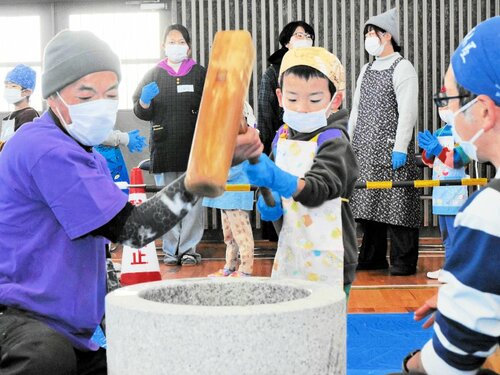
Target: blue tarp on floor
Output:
[(376, 343)]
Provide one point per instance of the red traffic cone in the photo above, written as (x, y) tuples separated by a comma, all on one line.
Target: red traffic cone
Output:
[(139, 265), (137, 195)]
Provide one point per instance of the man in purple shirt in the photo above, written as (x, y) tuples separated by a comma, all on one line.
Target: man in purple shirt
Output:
[(59, 206)]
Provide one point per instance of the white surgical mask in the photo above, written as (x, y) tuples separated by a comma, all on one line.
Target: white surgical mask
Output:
[(300, 43), (373, 46), (12, 95), (446, 116), (468, 147), (306, 122), (91, 122), (176, 52)]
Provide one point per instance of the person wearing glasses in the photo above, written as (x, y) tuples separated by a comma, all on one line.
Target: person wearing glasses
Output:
[(383, 116), (448, 161), (169, 97), (295, 34), (465, 313), (19, 86)]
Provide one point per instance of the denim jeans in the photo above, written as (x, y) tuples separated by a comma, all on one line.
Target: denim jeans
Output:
[(447, 231), (183, 238)]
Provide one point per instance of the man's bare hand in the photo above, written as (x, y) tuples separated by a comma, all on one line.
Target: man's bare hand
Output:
[(429, 307), (248, 146)]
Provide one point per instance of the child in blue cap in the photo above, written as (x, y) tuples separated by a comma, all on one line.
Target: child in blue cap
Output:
[(19, 85)]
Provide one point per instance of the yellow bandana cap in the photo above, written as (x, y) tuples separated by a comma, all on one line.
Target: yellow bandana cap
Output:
[(319, 59)]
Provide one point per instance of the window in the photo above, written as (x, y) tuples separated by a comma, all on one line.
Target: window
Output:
[(134, 37), (20, 44)]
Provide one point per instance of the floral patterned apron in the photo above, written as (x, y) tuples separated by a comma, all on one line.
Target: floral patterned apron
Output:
[(310, 243)]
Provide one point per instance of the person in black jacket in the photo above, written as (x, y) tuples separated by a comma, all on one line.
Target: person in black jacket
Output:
[(168, 97), (270, 116)]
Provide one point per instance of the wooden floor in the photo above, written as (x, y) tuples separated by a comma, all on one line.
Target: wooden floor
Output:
[(372, 291)]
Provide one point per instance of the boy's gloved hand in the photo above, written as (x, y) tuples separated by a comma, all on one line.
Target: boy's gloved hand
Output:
[(270, 213), (398, 159), (149, 92), (429, 143), (266, 174), (136, 142)]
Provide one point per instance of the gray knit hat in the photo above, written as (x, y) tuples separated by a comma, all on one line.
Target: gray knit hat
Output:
[(388, 21), (71, 55)]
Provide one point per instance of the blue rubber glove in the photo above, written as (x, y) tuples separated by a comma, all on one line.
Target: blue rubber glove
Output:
[(266, 174), (429, 143), (270, 213), (136, 142), (398, 159), (149, 92)]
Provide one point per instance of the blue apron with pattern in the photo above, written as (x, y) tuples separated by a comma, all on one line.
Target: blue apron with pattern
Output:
[(447, 200), (310, 243)]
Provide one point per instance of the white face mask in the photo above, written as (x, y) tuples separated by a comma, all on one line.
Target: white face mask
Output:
[(91, 122), (300, 43), (373, 46), (468, 147), (306, 122), (176, 52), (446, 116), (12, 95)]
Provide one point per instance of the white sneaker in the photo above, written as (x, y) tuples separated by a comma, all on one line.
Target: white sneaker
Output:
[(434, 275)]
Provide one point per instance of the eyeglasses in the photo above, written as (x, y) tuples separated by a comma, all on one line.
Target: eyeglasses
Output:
[(301, 35), (441, 100)]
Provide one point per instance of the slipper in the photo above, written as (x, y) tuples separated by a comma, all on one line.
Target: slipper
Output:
[(223, 272), (190, 260), (170, 261)]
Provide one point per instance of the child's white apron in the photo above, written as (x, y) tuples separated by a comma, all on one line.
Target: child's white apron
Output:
[(310, 243)]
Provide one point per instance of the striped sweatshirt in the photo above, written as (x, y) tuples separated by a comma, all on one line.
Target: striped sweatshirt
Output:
[(467, 325)]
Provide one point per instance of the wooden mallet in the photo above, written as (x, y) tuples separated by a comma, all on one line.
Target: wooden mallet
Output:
[(226, 86)]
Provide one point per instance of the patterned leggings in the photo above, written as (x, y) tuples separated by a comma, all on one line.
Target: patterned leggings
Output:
[(238, 236)]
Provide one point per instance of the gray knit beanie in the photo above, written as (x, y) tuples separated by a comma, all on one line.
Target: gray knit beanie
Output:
[(71, 55), (387, 21)]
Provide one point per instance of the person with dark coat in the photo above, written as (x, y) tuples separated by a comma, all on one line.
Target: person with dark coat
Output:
[(168, 97), (270, 115)]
